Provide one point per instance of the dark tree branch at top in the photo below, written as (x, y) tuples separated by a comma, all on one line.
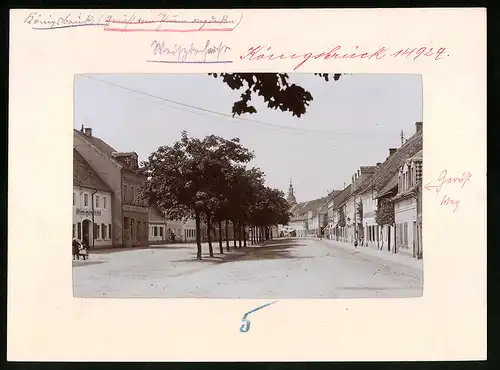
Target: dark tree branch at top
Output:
[(274, 88)]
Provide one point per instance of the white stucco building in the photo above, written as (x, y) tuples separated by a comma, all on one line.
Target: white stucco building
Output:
[(405, 205), (157, 227), (92, 212)]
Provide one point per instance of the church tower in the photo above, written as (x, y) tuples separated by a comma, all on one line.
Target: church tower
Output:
[(291, 197)]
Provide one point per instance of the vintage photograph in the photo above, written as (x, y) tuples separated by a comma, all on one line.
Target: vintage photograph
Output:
[(247, 185)]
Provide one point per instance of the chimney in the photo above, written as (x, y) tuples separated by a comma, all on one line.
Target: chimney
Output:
[(88, 131), (392, 151), (418, 126)]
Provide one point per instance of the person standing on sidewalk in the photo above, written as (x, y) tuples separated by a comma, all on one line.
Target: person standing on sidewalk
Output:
[(75, 249)]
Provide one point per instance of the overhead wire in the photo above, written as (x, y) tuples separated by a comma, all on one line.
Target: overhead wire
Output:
[(205, 112)]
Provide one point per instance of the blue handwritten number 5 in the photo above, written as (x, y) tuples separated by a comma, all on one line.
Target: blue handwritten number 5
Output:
[(245, 325)]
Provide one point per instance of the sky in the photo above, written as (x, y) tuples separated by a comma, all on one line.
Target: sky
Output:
[(350, 123)]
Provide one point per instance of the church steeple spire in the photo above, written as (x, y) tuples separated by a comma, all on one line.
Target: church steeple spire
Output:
[(291, 197)]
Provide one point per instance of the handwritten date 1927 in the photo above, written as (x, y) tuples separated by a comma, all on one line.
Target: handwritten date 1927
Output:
[(265, 53)]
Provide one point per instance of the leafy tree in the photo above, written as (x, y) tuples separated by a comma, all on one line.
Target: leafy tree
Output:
[(359, 212), (384, 214), (185, 180), (269, 209), (341, 222), (274, 88)]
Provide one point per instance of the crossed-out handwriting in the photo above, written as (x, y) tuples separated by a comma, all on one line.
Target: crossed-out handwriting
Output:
[(156, 22), (207, 53), (443, 180), (266, 52)]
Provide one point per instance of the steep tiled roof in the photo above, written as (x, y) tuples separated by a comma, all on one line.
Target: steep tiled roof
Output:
[(100, 144), (84, 176), (342, 197), (391, 184), (305, 207), (385, 172), (106, 149)]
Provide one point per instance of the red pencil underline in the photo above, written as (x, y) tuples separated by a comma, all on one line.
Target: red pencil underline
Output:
[(167, 21), (166, 30)]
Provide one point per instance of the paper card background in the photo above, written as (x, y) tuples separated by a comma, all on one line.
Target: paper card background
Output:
[(447, 323)]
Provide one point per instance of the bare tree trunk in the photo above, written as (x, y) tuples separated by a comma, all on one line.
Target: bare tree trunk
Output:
[(198, 234), (244, 236), (209, 236), (221, 249), (234, 233), (239, 235), (227, 235)]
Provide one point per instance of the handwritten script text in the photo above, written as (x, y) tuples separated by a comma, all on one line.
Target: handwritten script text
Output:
[(155, 22), (444, 179), (189, 54), (338, 53)]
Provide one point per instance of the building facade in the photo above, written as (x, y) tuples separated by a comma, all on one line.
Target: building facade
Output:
[(405, 206), (157, 227), (306, 217), (120, 171), (92, 211)]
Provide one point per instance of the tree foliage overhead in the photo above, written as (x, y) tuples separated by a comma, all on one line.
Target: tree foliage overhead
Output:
[(274, 88)]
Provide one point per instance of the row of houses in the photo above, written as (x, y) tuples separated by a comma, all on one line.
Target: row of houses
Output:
[(107, 208), (380, 207)]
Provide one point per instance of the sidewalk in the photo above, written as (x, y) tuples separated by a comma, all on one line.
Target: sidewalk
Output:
[(404, 259)]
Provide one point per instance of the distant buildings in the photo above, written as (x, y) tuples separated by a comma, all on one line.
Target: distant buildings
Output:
[(308, 218), (381, 207), (157, 227)]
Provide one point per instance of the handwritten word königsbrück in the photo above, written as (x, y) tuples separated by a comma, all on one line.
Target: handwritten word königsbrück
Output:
[(41, 21), (189, 54), (256, 53), (159, 22), (443, 179)]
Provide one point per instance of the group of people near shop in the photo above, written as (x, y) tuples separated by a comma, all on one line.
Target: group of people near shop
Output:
[(80, 249)]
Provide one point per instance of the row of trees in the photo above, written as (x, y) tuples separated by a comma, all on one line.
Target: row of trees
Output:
[(209, 180)]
